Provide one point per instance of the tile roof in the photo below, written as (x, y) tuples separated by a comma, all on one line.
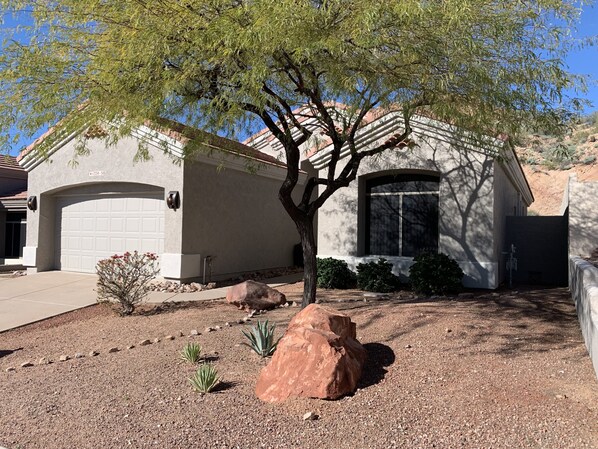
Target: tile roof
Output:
[(7, 161), (19, 194), (183, 133)]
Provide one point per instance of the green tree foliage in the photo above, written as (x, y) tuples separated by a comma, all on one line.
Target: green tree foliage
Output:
[(236, 65)]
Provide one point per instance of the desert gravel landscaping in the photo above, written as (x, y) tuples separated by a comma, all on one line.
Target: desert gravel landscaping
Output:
[(506, 370)]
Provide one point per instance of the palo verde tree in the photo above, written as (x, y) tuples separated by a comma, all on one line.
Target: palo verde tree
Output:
[(236, 65)]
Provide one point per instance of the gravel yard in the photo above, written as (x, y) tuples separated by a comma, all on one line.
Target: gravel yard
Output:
[(508, 371)]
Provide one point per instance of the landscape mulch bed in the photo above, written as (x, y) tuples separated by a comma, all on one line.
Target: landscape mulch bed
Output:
[(490, 371)]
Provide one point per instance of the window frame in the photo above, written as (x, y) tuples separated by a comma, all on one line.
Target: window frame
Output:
[(398, 178)]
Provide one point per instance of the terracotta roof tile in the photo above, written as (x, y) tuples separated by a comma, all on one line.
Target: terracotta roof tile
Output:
[(7, 161), (183, 134), (19, 194)]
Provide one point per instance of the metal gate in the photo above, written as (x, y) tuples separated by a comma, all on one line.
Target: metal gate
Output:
[(540, 249)]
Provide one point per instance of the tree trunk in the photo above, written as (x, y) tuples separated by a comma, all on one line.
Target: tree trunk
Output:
[(305, 226)]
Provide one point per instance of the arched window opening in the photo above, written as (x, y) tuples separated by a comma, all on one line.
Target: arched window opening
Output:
[(402, 215)]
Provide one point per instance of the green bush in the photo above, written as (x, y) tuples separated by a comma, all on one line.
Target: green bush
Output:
[(581, 137), (561, 153), (435, 274), (377, 277), (335, 273)]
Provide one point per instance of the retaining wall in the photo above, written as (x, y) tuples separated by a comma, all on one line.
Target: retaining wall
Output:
[(583, 283)]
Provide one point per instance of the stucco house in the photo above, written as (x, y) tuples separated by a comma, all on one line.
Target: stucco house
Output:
[(13, 198), (450, 193), (207, 215)]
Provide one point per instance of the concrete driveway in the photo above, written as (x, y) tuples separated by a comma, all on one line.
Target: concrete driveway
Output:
[(31, 298), (34, 297)]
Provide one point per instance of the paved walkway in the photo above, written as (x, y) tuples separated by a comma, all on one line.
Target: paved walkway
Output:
[(34, 297)]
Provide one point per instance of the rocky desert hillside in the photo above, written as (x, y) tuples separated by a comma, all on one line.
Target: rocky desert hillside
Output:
[(548, 161)]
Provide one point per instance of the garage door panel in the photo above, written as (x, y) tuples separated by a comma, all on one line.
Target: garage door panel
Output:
[(103, 205), (88, 224), (117, 224), (73, 243), (150, 225), (118, 205), (102, 244), (117, 245), (87, 244), (133, 206), (94, 227), (133, 243), (132, 225), (103, 224), (88, 263)]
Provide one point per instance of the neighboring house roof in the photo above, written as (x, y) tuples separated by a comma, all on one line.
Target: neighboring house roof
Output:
[(175, 135), (184, 133), (18, 194), (9, 162), (13, 178), (15, 200)]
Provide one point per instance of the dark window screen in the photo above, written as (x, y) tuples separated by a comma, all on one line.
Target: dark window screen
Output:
[(402, 215), (420, 224), (384, 225)]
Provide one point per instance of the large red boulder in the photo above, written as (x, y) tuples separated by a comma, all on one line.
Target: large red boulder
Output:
[(318, 357), (252, 295)]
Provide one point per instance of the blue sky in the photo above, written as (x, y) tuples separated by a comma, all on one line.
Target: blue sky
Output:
[(583, 61)]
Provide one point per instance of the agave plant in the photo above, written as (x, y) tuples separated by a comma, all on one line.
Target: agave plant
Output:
[(191, 352), (205, 378), (261, 338)]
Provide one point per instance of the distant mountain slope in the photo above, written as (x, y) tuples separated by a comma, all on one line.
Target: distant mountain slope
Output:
[(548, 162)]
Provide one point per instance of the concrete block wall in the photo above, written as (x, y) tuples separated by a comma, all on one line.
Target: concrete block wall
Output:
[(583, 283), (583, 216)]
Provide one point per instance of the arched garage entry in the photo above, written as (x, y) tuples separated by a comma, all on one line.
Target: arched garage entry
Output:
[(96, 221)]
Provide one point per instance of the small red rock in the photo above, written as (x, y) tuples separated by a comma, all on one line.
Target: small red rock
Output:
[(253, 295)]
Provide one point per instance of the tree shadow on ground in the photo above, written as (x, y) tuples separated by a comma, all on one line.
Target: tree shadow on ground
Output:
[(379, 357), (527, 319), (530, 319), (5, 352)]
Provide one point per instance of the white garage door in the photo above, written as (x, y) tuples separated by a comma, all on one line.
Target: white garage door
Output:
[(94, 227)]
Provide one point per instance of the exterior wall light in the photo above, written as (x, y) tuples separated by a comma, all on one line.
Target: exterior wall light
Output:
[(32, 203), (173, 200)]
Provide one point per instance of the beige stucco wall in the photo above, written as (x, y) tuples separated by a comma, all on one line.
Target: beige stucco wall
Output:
[(583, 217), (507, 202), (226, 212), (105, 169), (236, 218), (466, 209)]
